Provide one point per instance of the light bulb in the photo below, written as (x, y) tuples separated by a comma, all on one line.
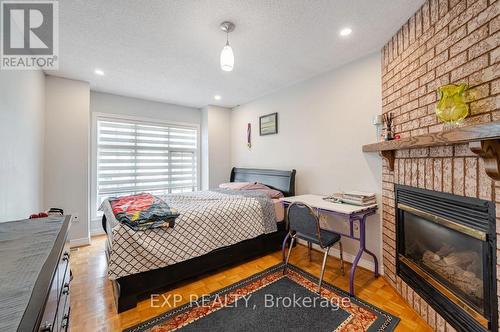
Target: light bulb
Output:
[(227, 58), (345, 32)]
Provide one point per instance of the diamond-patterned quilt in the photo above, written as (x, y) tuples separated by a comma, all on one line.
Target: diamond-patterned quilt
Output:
[(208, 220)]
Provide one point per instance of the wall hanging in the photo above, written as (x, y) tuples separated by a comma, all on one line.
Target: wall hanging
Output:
[(268, 124), (249, 135)]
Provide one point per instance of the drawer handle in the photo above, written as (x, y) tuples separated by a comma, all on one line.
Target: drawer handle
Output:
[(66, 288), (65, 321), (47, 327)]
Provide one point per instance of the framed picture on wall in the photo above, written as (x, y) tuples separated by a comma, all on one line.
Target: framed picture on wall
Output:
[(268, 124)]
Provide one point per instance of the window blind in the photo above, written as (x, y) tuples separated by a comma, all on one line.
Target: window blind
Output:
[(134, 157)]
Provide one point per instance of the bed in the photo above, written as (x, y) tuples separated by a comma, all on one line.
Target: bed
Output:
[(133, 281)]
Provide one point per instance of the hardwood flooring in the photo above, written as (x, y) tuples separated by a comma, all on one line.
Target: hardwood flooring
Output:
[(93, 308)]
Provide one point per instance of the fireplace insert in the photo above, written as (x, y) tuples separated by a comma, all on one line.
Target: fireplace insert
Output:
[(446, 247)]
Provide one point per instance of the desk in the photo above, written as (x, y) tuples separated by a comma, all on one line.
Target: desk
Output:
[(350, 213)]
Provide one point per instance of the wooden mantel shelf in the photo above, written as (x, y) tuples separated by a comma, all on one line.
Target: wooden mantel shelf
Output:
[(483, 140)]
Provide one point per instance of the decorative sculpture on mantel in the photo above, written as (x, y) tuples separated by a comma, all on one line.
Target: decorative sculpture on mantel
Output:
[(451, 107)]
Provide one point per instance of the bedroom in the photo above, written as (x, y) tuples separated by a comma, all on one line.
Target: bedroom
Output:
[(188, 144)]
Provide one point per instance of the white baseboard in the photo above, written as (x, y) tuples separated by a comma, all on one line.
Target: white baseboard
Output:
[(96, 227), (95, 232), (335, 252), (84, 241)]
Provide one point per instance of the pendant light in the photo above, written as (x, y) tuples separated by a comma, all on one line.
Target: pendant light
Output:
[(227, 55)]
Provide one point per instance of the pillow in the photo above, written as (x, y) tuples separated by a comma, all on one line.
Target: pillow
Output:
[(234, 185), (271, 193)]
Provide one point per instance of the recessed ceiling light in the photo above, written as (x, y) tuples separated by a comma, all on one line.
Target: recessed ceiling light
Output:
[(217, 97), (345, 32), (99, 72)]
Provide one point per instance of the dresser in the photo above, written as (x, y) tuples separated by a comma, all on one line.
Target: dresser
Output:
[(35, 260)]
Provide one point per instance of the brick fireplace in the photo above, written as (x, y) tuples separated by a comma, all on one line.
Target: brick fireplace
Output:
[(446, 41), (446, 252)]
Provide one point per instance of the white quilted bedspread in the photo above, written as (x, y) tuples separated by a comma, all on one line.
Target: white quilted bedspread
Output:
[(208, 220)]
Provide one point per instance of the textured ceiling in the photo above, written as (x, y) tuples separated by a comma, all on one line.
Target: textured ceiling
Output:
[(169, 50)]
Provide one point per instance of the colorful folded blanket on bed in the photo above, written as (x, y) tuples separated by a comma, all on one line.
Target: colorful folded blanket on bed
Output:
[(143, 211)]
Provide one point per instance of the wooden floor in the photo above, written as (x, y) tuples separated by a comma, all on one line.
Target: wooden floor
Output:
[(93, 309)]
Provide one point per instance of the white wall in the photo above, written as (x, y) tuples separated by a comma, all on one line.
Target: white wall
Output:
[(66, 181), (216, 146), (322, 122), (22, 104), (205, 157), (114, 104)]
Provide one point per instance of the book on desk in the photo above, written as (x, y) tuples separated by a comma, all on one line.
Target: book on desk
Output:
[(358, 198)]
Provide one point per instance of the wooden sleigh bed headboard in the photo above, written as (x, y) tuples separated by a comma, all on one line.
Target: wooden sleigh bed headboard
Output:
[(283, 181)]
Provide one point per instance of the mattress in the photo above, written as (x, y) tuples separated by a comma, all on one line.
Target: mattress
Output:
[(208, 220), (279, 209)]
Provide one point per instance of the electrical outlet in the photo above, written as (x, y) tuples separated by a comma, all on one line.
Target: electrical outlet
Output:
[(75, 217)]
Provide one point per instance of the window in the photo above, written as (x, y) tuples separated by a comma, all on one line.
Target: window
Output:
[(134, 157)]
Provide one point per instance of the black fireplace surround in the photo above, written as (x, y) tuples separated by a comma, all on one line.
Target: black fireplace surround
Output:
[(446, 252)]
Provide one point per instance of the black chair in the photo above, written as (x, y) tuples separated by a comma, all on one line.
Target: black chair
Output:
[(304, 224)]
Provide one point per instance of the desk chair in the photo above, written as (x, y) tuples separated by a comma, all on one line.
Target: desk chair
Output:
[(304, 224)]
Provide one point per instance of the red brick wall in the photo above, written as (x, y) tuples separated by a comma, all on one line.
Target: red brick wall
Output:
[(446, 41)]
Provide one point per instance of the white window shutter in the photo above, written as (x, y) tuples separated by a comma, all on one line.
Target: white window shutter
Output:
[(135, 157)]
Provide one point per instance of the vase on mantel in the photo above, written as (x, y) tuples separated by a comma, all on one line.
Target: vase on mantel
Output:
[(451, 109)]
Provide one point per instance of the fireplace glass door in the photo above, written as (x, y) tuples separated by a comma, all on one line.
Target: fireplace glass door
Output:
[(450, 256), (446, 252)]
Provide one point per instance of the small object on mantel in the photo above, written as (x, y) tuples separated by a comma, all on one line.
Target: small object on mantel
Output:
[(378, 122), (483, 140), (397, 136), (388, 117)]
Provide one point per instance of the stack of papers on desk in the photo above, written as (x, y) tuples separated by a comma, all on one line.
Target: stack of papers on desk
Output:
[(358, 198)]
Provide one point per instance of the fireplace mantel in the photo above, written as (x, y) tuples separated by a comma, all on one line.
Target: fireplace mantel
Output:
[(483, 140)]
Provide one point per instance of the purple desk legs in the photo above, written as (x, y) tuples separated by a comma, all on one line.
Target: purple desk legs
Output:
[(361, 217), (362, 248)]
